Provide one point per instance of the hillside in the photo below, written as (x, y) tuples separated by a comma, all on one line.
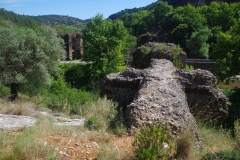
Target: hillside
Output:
[(16, 19), (58, 20), (174, 3)]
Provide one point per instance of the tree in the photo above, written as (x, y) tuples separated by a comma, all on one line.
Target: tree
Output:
[(139, 22), (181, 22), (226, 54), (197, 44), (28, 59), (106, 43), (160, 11)]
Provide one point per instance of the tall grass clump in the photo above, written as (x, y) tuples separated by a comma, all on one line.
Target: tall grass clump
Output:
[(154, 142), (27, 146), (215, 140), (104, 115)]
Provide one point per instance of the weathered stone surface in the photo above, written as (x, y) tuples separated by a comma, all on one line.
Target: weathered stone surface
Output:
[(205, 101), (122, 87), (14, 122), (160, 98), (151, 87), (151, 95)]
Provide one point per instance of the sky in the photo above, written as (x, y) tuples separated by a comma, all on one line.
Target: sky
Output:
[(83, 9)]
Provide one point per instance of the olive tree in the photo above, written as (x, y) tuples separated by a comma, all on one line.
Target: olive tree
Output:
[(28, 59)]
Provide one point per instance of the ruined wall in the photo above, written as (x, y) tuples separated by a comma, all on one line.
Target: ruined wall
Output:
[(73, 44)]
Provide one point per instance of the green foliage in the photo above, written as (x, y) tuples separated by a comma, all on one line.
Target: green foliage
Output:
[(60, 21), (19, 20), (67, 29), (76, 75), (161, 9), (197, 43), (106, 43), (189, 67), (151, 141), (4, 91), (29, 59), (68, 100), (226, 54), (234, 110), (226, 155), (219, 14), (237, 130), (139, 22)]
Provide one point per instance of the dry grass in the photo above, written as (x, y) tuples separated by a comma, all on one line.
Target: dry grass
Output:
[(18, 107), (215, 140), (231, 85), (41, 141)]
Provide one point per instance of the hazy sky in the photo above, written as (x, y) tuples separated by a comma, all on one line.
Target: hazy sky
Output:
[(82, 9)]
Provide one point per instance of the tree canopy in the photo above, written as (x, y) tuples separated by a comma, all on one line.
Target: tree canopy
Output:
[(28, 59), (226, 54), (106, 43)]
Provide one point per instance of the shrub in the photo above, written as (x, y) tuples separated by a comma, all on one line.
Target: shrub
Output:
[(234, 110), (4, 91), (69, 100), (154, 142)]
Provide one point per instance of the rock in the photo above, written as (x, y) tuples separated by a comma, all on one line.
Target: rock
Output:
[(12, 122), (160, 99), (151, 95)]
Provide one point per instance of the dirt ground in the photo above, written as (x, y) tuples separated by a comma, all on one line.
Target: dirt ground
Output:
[(68, 149)]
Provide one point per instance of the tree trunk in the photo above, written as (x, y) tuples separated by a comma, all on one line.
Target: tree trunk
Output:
[(14, 91)]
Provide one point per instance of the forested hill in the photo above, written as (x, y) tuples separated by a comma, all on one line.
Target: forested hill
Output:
[(58, 20), (118, 15), (174, 3), (16, 19)]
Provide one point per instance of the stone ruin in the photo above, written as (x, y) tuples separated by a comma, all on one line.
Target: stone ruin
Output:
[(161, 93), (73, 43)]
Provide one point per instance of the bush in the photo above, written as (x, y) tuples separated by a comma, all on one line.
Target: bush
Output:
[(234, 109), (4, 91), (222, 155), (70, 100), (154, 142)]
